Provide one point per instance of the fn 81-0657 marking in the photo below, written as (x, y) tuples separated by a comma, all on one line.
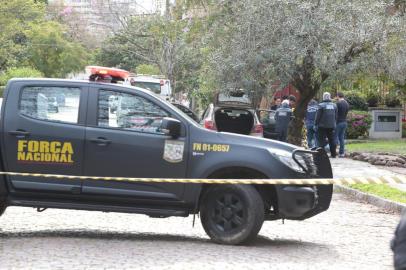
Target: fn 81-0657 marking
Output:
[(207, 147)]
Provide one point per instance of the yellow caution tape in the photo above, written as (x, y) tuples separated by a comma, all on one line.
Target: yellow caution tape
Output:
[(398, 179)]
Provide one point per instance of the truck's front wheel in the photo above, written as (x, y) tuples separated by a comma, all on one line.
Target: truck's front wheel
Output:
[(232, 214), (2, 208)]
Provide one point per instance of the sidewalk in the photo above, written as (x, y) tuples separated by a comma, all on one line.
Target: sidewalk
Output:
[(344, 167)]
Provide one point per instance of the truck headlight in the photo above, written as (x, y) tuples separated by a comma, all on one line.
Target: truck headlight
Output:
[(286, 158)]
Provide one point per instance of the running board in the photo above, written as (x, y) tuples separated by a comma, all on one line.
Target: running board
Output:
[(154, 212)]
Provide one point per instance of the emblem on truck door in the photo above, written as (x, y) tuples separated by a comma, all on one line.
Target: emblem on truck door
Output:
[(31, 151), (173, 151)]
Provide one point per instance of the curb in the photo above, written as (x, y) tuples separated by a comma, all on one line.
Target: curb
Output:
[(363, 197)]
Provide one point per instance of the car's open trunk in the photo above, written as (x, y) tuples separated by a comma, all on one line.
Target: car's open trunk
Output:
[(234, 120)]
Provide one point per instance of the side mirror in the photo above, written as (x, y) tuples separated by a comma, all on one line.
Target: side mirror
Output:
[(171, 127)]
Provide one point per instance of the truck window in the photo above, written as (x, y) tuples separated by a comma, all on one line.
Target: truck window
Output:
[(127, 111), (51, 103), (151, 86)]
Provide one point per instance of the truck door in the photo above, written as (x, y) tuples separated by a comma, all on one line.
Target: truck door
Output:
[(43, 132), (123, 138)]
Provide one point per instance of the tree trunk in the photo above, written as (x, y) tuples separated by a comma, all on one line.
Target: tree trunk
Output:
[(296, 125)]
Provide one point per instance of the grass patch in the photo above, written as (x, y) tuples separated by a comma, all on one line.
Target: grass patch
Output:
[(390, 146), (384, 191)]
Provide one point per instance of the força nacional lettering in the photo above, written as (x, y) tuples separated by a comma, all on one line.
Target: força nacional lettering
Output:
[(44, 151)]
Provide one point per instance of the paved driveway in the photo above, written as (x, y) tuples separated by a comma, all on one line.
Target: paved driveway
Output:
[(349, 235)]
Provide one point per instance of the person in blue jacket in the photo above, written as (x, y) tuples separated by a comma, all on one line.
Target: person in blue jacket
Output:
[(283, 116), (309, 121)]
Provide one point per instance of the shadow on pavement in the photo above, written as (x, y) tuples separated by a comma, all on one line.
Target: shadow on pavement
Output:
[(261, 241)]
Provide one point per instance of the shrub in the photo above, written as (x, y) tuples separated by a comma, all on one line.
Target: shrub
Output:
[(357, 102), (359, 123), (24, 72), (391, 100), (373, 99), (404, 130)]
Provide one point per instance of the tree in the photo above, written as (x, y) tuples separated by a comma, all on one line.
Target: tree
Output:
[(304, 43), (155, 40), (16, 17), (147, 69), (52, 53)]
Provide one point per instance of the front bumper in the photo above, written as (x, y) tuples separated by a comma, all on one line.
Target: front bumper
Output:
[(302, 202)]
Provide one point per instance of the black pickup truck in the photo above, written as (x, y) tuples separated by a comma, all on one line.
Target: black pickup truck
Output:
[(150, 138)]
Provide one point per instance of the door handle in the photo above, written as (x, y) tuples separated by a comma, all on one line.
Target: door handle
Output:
[(100, 141), (20, 134)]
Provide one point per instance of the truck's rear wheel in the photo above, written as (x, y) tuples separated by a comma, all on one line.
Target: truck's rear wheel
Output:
[(232, 214)]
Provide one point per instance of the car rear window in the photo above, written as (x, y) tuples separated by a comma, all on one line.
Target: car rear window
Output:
[(224, 98)]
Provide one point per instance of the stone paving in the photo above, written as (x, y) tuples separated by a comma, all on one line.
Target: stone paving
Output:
[(349, 235)]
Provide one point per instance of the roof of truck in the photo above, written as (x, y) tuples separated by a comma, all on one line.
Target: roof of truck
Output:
[(50, 80)]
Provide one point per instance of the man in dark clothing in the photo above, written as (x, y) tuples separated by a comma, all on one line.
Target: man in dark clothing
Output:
[(309, 121), (399, 245), (325, 123), (342, 111), (282, 119)]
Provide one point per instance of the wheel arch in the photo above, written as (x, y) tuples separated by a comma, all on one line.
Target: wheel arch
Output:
[(267, 192)]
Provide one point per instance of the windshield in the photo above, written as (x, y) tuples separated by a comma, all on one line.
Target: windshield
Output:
[(154, 87)]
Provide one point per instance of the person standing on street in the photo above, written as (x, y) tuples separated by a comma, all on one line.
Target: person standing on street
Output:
[(342, 108), (325, 123), (398, 244), (292, 102), (282, 119), (309, 121), (277, 103)]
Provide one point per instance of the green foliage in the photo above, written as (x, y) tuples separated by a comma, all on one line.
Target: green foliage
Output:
[(384, 191), (392, 100), (29, 38), (16, 17), (356, 101), (373, 99), (23, 72), (397, 146), (359, 123), (148, 69), (52, 53)]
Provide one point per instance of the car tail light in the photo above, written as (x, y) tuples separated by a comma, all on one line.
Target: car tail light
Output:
[(257, 130), (209, 124)]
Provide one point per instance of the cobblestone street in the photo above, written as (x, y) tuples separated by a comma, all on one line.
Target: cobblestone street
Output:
[(349, 235)]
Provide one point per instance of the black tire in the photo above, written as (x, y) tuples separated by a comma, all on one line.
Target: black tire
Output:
[(2, 208), (232, 214)]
